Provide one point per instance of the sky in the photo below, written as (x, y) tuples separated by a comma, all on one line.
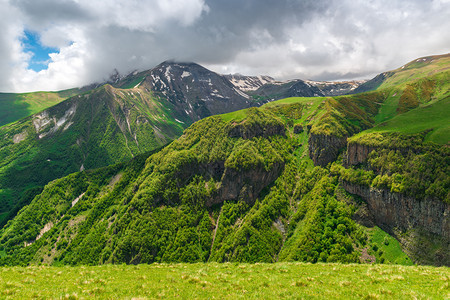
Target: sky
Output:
[(60, 44)]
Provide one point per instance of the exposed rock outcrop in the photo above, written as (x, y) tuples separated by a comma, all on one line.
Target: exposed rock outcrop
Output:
[(357, 153), (324, 149), (245, 185), (248, 131), (394, 210)]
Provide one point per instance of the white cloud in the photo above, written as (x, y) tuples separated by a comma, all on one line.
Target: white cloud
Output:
[(314, 39)]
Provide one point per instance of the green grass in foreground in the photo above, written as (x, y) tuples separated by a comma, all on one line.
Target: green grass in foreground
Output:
[(226, 281)]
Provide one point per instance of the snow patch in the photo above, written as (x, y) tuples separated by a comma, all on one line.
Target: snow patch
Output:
[(242, 93), (185, 74), (167, 73), (179, 121)]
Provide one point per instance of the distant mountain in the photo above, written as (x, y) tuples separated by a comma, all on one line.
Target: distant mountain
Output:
[(249, 83), (109, 124), (314, 179), (193, 90), (264, 88), (336, 88), (15, 106)]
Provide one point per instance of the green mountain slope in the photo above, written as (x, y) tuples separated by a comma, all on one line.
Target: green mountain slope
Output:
[(236, 187), (17, 106), (99, 128), (405, 157), (110, 124), (300, 179), (418, 83)]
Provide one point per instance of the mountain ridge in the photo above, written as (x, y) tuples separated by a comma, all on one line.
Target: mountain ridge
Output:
[(285, 181)]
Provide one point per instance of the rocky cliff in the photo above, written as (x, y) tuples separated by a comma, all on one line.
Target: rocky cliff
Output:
[(393, 212), (324, 149), (357, 153), (245, 185), (248, 131)]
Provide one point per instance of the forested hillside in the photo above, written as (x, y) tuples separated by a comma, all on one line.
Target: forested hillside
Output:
[(319, 179), (105, 124), (96, 129)]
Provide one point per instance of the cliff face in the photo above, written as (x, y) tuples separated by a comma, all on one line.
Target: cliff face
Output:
[(245, 185), (357, 153), (324, 149), (394, 210), (250, 131)]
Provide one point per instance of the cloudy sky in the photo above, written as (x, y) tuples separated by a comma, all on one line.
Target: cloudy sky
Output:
[(58, 44)]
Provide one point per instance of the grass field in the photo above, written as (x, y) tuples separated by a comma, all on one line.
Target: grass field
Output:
[(419, 68), (226, 281), (434, 116), (388, 248)]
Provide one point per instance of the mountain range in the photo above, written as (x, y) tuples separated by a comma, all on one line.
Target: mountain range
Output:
[(315, 176), (102, 124)]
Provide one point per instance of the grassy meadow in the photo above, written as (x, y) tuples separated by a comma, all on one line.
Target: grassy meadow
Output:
[(17, 106), (226, 281)]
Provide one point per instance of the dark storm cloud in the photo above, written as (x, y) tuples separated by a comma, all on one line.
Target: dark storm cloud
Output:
[(44, 12), (241, 17)]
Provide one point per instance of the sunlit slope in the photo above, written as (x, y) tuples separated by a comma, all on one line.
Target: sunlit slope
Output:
[(423, 67), (98, 128), (419, 83), (433, 117), (17, 106), (235, 187)]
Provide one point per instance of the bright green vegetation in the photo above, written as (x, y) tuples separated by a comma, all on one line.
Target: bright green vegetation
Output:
[(227, 281), (416, 84), (98, 128), (409, 151), (235, 188), (432, 116), (417, 99), (240, 187), (386, 248), (420, 68), (17, 106), (402, 164)]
